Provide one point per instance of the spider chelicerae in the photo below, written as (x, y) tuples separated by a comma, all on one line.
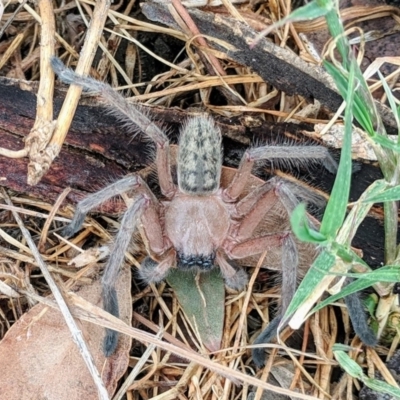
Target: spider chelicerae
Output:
[(198, 225)]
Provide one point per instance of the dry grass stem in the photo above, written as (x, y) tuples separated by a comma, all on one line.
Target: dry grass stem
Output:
[(171, 65)]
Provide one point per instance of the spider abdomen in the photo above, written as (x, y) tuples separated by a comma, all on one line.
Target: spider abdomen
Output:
[(197, 227), (199, 156)]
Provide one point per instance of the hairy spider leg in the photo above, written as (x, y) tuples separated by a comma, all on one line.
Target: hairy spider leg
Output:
[(144, 207), (94, 200), (129, 225), (129, 113), (289, 252), (292, 154), (256, 203), (259, 202), (289, 282), (257, 245), (359, 319)]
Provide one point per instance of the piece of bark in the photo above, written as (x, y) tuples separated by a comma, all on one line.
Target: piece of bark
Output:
[(281, 68), (98, 150)]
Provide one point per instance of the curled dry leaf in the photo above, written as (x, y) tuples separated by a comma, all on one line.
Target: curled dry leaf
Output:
[(44, 362), (90, 256)]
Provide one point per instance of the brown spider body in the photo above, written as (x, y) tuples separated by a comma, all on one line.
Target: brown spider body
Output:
[(204, 225), (199, 225)]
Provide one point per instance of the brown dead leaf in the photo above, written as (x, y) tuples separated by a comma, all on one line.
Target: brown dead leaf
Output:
[(40, 360)]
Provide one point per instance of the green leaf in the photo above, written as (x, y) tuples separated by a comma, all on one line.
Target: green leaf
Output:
[(342, 347), (364, 111), (357, 215), (382, 387), (385, 274), (337, 206), (349, 365), (312, 10), (348, 255), (202, 298), (354, 370), (390, 194), (360, 110), (320, 267), (371, 303), (300, 226), (385, 142)]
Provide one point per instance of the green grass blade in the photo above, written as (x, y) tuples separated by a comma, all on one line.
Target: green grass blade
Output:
[(392, 103), (301, 228), (354, 370), (335, 27), (360, 111), (358, 213), (382, 387), (321, 266), (336, 208), (389, 194), (388, 273), (348, 364)]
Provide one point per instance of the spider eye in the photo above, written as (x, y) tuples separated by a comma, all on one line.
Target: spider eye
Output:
[(199, 159), (202, 262)]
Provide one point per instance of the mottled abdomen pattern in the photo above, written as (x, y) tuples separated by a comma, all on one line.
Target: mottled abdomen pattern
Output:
[(199, 157)]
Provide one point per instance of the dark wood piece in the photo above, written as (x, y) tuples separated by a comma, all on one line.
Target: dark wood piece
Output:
[(281, 68), (98, 150)]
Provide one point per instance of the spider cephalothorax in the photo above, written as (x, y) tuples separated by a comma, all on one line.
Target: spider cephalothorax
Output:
[(198, 224)]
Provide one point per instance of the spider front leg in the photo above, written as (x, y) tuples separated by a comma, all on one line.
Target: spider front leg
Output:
[(145, 208), (129, 225), (96, 199), (129, 113), (289, 154)]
